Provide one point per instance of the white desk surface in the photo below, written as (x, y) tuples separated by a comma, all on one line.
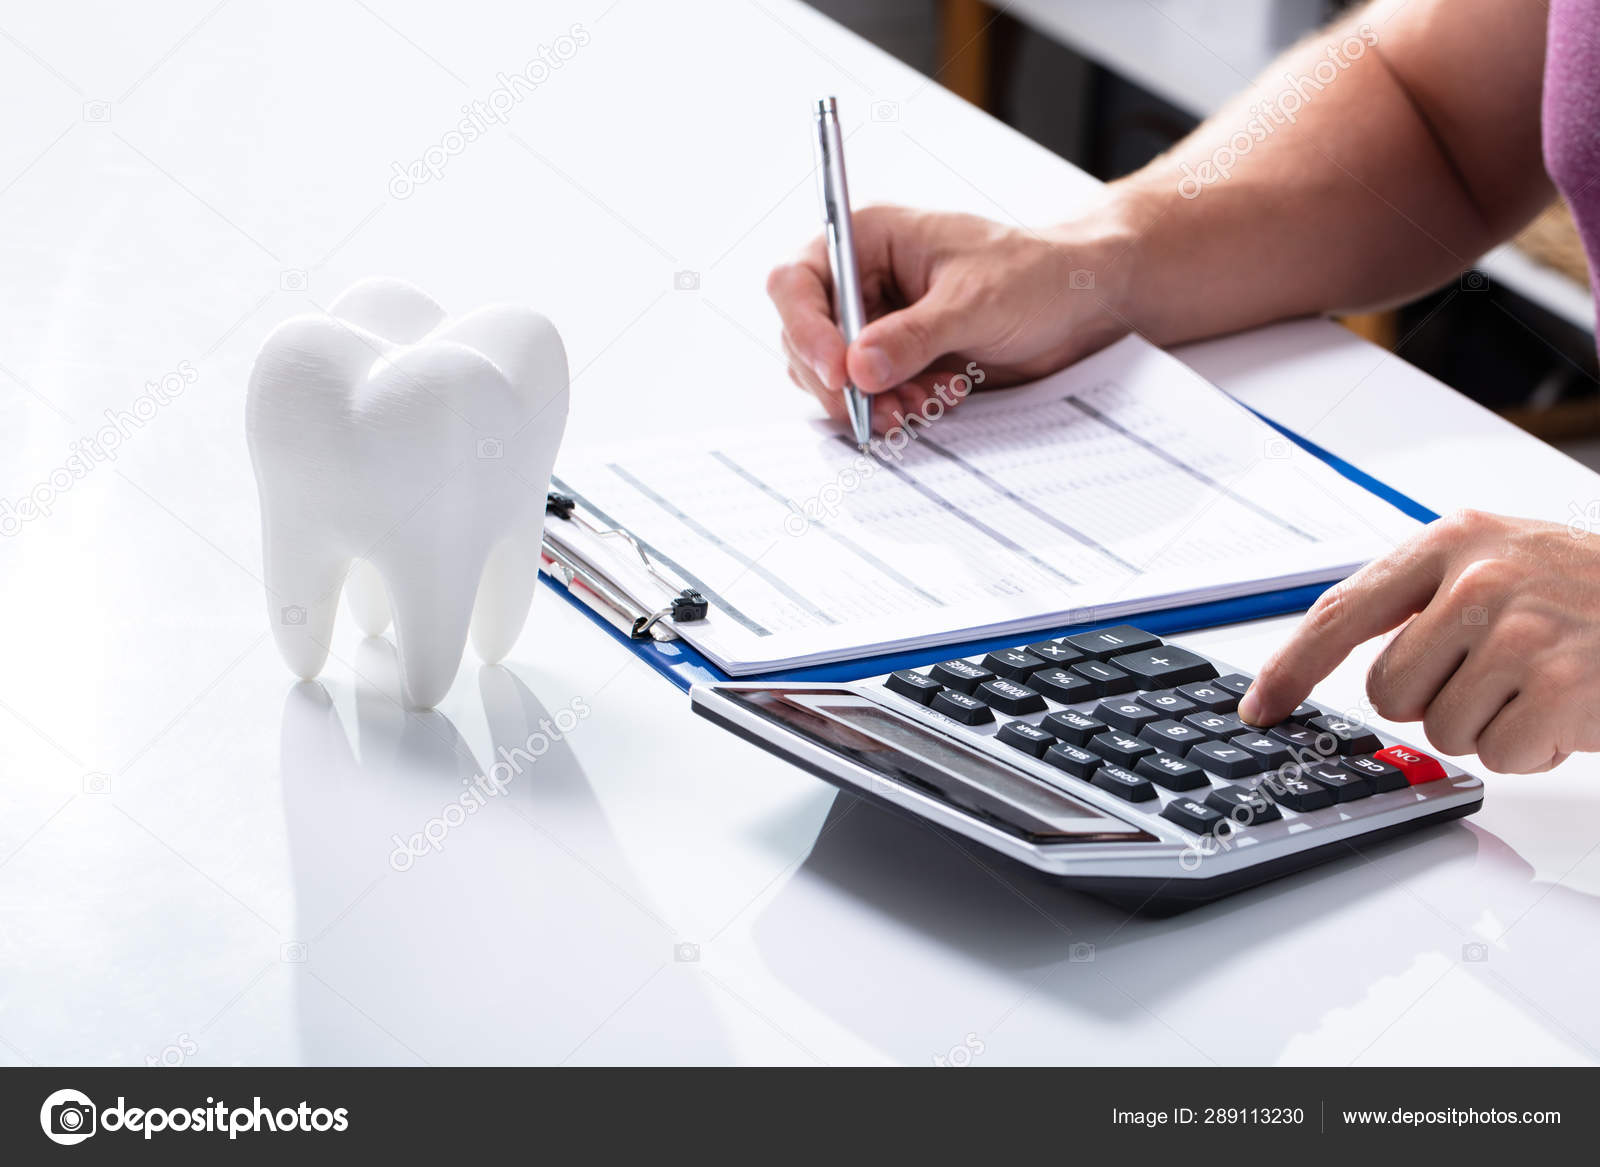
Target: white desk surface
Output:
[(194, 852)]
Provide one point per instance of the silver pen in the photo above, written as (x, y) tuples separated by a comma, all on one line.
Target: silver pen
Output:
[(835, 196)]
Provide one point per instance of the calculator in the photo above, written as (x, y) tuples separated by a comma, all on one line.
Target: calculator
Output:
[(1110, 759)]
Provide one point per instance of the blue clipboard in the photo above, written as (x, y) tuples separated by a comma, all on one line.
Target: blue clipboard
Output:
[(685, 666)]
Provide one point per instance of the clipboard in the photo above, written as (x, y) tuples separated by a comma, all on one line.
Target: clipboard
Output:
[(642, 622)]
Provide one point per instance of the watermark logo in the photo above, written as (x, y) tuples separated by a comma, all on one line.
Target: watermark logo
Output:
[(493, 110), (92, 449), (1267, 116), (174, 1054), (68, 1117), (492, 783), (1584, 520), (960, 1056), (825, 504)]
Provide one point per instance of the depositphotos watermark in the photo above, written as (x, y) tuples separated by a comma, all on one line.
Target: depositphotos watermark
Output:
[(494, 109), (825, 503), (91, 450), (491, 784), (69, 1117), (1324, 747), (960, 1056), (1267, 116)]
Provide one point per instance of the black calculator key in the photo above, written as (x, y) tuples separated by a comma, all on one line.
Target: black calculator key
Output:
[(1172, 735), (1120, 748), (1060, 685), (1108, 680), (1171, 771), (912, 684), (1030, 739), (1055, 652), (1075, 760), (1352, 736), (961, 674), (1192, 816), (1210, 696), (1125, 713), (1243, 807), (1219, 726), (1302, 739), (1009, 697), (1071, 726), (1270, 753), (1168, 702), (1224, 759), (961, 707), (1015, 663), (1384, 776), (1164, 666), (1235, 683), (1304, 712), (1123, 783), (1344, 785), (1108, 642), (1296, 791)]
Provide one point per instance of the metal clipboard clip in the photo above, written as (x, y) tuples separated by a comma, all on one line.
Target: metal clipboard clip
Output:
[(590, 583)]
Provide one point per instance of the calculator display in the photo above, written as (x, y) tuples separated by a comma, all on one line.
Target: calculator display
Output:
[(904, 752)]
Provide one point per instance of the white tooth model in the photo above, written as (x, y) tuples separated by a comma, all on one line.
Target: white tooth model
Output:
[(418, 450)]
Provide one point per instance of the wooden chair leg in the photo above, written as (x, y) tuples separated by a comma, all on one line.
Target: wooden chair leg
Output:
[(964, 49), (1381, 328)]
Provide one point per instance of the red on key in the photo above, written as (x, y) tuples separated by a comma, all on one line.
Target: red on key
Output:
[(1416, 766)]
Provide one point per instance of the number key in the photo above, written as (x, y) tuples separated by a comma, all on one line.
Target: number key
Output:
[(1225, 759), (1125, 713), (1168, 702), (1352, 736), (1210, 696), (1219, 726), (1172, 735)]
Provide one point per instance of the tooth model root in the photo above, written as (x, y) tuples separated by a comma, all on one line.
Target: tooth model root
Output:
[(504, 597), (404, 459)]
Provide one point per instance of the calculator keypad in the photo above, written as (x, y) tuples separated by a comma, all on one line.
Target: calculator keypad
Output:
[(1154, 724)]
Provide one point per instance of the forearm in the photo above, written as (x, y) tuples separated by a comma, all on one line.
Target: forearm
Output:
[(1348, 177)]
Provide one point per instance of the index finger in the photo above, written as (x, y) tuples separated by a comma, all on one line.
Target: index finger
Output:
[(1369, 603), (801, 291)]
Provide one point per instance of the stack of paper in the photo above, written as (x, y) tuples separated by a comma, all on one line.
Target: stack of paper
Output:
[(1121, 485)]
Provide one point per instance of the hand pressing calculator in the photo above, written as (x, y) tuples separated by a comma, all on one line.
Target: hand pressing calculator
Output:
[(1110, 759)]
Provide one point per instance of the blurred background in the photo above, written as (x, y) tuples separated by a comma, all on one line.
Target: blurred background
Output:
[(1109, 84)]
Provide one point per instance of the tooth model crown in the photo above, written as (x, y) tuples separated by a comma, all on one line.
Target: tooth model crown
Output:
[(412, 454)]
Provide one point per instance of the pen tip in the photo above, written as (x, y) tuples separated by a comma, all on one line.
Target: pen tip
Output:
[(864, 447)]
